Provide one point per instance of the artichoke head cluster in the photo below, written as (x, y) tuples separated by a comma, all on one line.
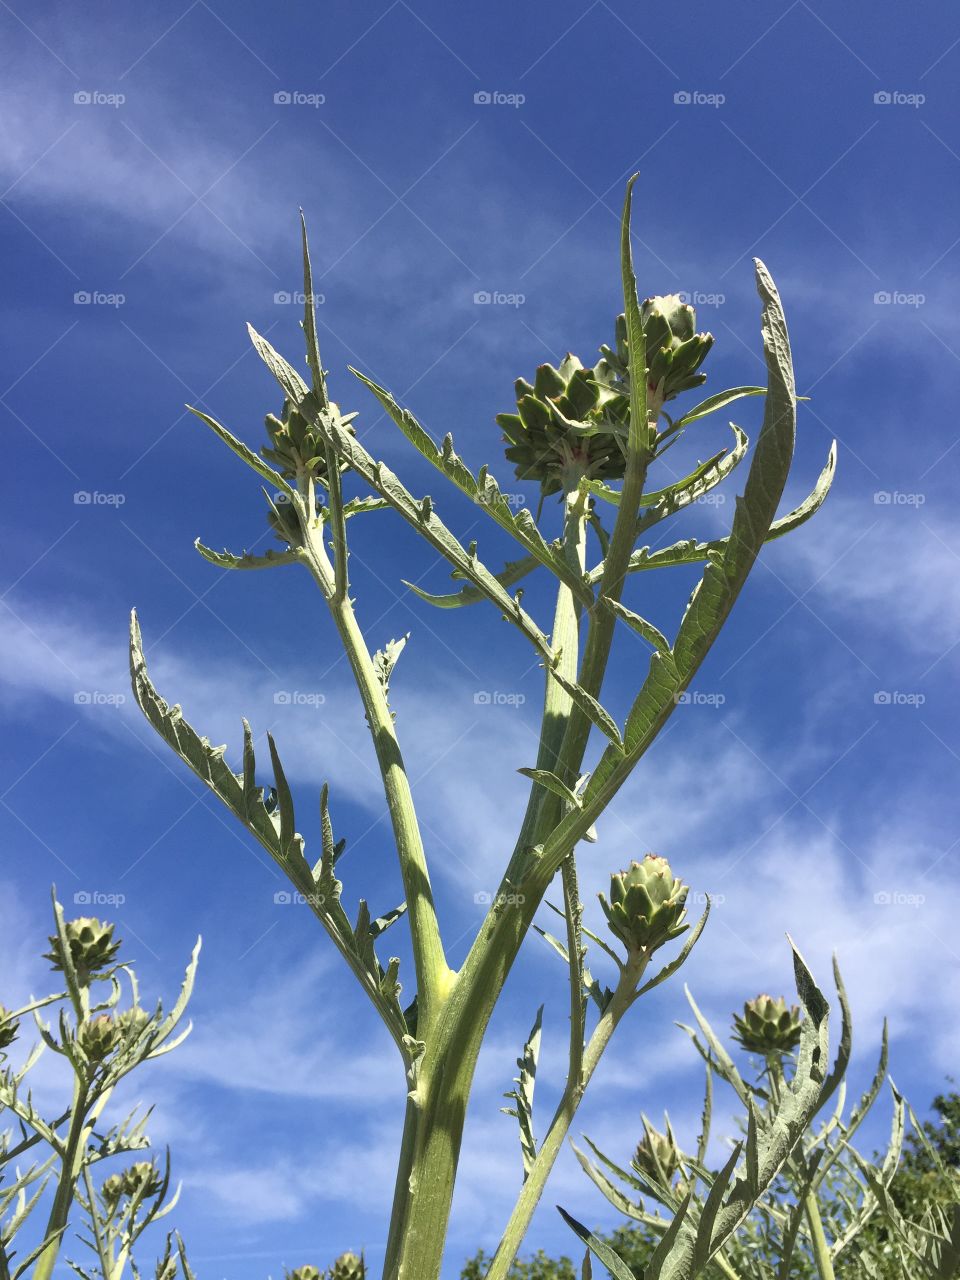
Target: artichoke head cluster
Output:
[(90, 944), (572, 422), (767, 1026), (646, 906), (140, 1179)]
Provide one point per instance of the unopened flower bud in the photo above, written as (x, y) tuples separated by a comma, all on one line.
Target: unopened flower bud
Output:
[(348, 1267), (142, 1178), (657, 1155), (91, 947), (8, 1028), (767, 1026), (304, 1273), (98, 1037), (131, 1022), (646, 907)]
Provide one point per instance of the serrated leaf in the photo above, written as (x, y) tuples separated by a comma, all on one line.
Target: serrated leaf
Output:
[(253, 461), (591, 708), (601, 1251), (522, 1095), (228, 560)]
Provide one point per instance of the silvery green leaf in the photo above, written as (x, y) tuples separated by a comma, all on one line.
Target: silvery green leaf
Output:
[(310, 321), (670, 969), (714, 402), (591, 708), (228, 560), (515, 572), (601, 1251), (640, 431), (294, 387), (253, 461), (642, 627), (522, 1095), (552, 783)]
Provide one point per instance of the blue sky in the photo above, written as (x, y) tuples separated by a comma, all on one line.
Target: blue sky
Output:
[(167, 194)]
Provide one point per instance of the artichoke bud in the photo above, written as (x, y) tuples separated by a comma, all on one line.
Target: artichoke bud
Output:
[(141, 1179), (657, 1155), (304, 1273), (675, 351), (91, 947), (348, 1267), (296, 445), (647, 905), (767, 1026), (98, 1037), (8, 1028), (132, 1022), (112, 1189), (568, 424)]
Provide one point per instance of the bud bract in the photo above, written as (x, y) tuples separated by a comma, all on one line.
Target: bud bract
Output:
[(8, 1028)]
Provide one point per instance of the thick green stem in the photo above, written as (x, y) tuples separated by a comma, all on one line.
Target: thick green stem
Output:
[(821, 1248), (66, 1184), (434, 1127), (550, 1148), (433, 975)]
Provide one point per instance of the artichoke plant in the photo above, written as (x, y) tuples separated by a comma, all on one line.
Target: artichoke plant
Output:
[(584, 435), (657, 1154), (50, 1164), (767, 1026)]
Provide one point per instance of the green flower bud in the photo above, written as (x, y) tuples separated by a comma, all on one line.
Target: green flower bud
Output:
[(132, 1022), (646, 907), (98, 1037), (767, 1026), (675, 351), (304, 1273), (112, 1189), (91, 947), (568, 425), (8, 1028), (142, 1178), (348, 1267), (655, 1149)]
